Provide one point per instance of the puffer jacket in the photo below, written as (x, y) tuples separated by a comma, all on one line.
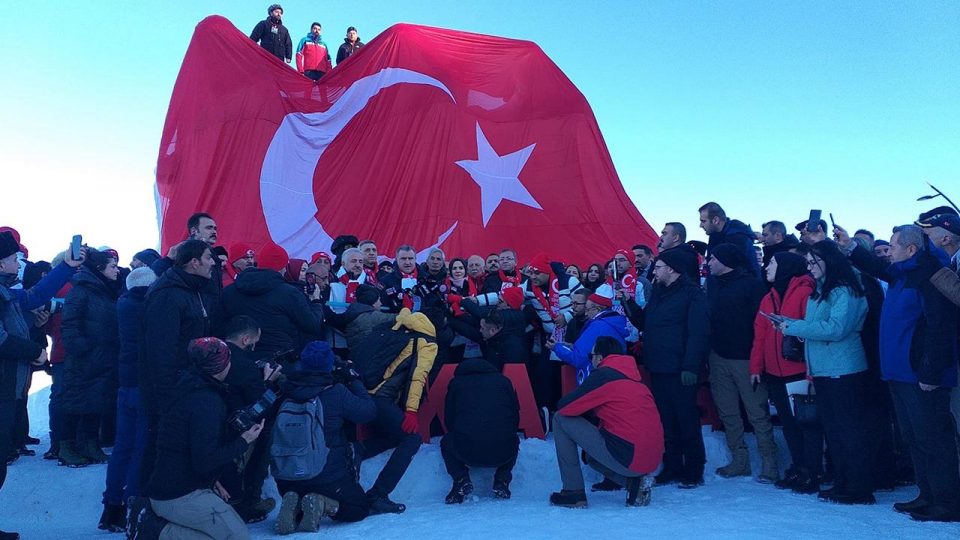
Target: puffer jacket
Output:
[(407, 375), (341, 404), (766, 355), (92, 342), (831, 330), (607, 323), (624, 408), (287, 320)]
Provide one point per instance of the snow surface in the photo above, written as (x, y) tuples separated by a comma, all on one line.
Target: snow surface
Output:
[(43, 500)]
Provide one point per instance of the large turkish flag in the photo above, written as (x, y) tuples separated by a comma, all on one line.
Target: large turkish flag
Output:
[(424, 136)]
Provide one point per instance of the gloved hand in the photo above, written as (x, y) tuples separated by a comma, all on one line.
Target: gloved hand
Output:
[(688, 378), (410, 423)]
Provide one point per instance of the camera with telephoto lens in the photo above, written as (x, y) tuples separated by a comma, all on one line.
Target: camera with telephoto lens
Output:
[(247, 417), (343, 371)]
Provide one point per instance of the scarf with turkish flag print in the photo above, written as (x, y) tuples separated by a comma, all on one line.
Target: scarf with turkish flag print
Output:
[(352, 285), (510, 281), (628, 280)]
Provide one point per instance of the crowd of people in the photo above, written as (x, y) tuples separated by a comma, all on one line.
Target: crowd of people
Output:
[(210, 369), (312, 53)]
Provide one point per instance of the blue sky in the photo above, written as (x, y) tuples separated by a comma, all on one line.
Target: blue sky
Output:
[(769, 108)]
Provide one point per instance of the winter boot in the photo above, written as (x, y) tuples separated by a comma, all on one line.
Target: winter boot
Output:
[(92, 451), (70, 456), (639, 490), (807, 483), (738, 466), (381, 504), (147, 526), (289, 509), (9, 535), (31, 441), (769, 471), (789, 479), (569, 498), (912, 506), (461, 488), (314, 507), (114, 518), (53, 452), (606, 485), (501, 488), (24, 451), (692, 482)]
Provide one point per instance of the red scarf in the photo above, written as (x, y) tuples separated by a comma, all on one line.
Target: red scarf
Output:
[(553, 306), (352, 285), (406, 298), (372, 274), (628, 281), (510, 281), (474, 285)]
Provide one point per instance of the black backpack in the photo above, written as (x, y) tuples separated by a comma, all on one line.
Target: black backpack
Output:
[(380, 348)]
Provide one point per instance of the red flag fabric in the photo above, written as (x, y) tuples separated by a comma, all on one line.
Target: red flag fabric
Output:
[(425, 136)]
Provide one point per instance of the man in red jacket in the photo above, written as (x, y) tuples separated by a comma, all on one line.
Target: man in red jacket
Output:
[(613, 418)]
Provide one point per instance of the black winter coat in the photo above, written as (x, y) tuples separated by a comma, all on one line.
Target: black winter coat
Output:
[(278, 44), (739, 234), (347, 49), (340, 403), (92, 344), (194, 444), (285, 316), (482, 413), (244, 380), (175, 312), (130, 309), (676, 328), (510, 345), (734, 300)]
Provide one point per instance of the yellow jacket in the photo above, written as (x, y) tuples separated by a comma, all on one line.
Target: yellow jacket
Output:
[(426, 355)]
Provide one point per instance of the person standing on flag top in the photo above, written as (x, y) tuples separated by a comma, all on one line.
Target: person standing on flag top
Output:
[(351, 44), (272, 35), (313, 55)]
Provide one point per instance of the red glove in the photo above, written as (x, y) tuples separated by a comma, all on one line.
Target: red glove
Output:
[(454, 301), (410, 423)]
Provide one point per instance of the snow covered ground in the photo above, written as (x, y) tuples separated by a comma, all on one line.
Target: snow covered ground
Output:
[(42, 500)]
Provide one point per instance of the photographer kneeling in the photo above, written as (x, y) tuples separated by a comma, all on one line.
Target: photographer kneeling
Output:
[(315, 486), (194, 445)]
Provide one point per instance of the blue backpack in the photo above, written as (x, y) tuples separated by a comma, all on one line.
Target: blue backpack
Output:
[(298, 449)]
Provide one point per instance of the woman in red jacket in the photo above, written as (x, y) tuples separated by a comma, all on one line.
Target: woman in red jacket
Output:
[(792, 286)]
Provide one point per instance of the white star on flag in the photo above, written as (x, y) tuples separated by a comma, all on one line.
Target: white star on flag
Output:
[(498, 176)]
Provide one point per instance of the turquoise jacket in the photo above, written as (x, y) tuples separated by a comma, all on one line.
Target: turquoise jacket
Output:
[(831, 330)]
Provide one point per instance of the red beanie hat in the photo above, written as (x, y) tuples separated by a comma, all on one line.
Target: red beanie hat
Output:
[(513, 296), (603, 296), (272, 257), (541, 263), (320, 255), (239, 250), (628, 253)]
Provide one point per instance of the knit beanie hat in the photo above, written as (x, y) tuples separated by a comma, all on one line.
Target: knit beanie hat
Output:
[(513, 296), (8, 244), (209, 355), (317, 356), (541, 263), (239, 250), (367, 294), (140, 277), (602, 296), (273, 257), (147, 256), (675, 259), (728, 255)]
